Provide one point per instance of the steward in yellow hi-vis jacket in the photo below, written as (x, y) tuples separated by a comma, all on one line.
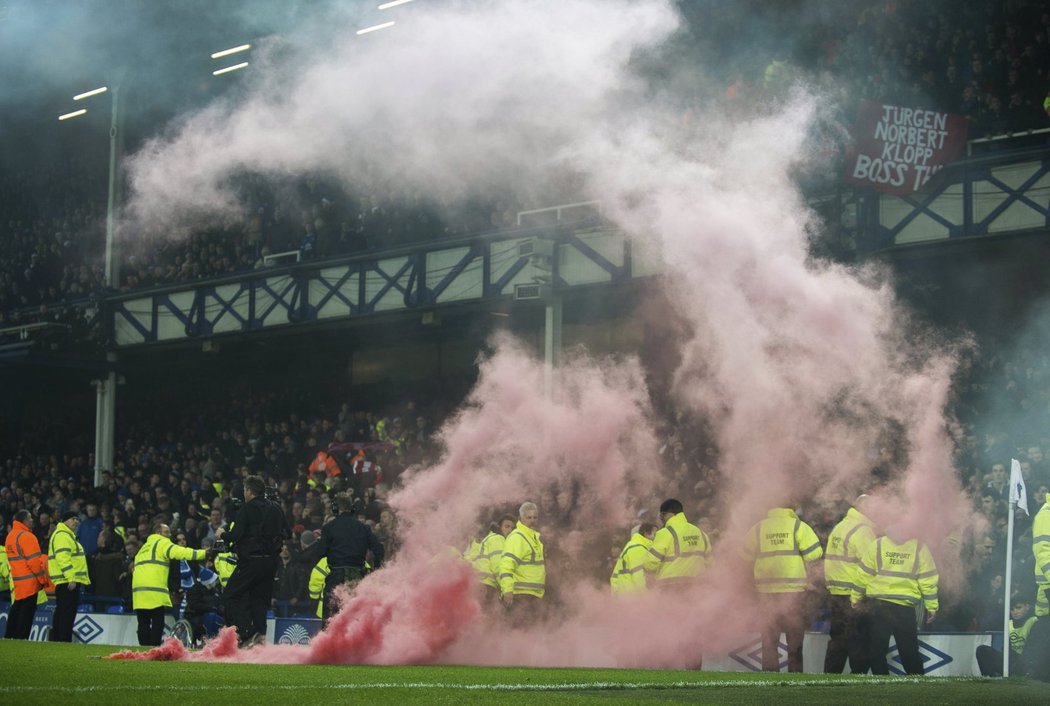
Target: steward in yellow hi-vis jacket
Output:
[(522, 568), (681, 551), (5, 576), (149, 582), (225, 564), (896, 575), (849, 628), (489, 556), (781, 546), (1041, 550), (472, 551), (67, 566), (628, 575), (315, 590)]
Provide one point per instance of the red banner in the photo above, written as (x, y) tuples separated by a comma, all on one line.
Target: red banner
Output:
[(897, 149)]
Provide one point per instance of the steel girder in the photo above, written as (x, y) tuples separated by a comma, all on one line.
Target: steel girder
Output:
[(427, 277)]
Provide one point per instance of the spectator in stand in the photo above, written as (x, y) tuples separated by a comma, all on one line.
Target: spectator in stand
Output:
[(214, 525), (89, 529), (1038, 464), (289, 583), (997, 482)]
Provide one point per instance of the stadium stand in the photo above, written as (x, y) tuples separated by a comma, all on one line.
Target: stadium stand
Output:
[(987, 61)]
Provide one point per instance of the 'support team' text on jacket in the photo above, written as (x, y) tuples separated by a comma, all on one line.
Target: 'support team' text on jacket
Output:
[(903, 573), (680, 551), (781, 545)]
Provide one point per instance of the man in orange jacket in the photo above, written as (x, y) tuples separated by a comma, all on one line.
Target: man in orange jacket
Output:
[(28, 575)]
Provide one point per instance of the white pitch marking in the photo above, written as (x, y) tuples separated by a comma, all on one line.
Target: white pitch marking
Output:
[(571, 686)]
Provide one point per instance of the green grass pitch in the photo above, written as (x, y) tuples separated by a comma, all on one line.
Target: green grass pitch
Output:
[(44, 673)]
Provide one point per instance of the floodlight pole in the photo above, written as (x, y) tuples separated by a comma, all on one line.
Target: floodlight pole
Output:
[(551, 341), (106, 388)]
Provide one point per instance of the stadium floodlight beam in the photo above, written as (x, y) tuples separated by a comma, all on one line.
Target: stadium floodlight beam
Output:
[(74, 114), (376, 28), (232, 50), (228, 69), (88, 94), (394, 3)]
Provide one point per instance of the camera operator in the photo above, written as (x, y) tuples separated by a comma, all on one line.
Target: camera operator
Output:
[(346, 542), (256, 536)]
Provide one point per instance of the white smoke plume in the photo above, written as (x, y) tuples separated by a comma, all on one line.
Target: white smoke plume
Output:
[(804, 371)]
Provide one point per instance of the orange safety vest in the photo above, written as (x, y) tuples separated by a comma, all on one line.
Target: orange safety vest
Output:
[(326, 464), (28, 563)]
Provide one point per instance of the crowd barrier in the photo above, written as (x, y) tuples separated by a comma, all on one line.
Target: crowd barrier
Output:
[(943, 654)]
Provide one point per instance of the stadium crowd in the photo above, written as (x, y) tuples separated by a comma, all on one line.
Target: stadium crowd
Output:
[(987, 61), (182, 463), (186, 476)]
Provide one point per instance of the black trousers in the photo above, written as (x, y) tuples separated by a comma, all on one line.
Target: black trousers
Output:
[(151, 625), (66, 602), (899, 621), (248, 594), (849, 637), (525, 610), (348, 576), (785, 613), (20, 618)]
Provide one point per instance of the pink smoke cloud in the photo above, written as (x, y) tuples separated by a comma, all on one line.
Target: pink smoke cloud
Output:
[(807, 374)]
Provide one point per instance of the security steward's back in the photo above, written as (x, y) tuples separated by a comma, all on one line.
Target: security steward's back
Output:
[(256, 536), (345, 541)]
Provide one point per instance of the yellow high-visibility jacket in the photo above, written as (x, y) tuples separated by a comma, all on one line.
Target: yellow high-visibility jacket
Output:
[(5, 578), (1041, 550), (628, 575), (149, 582), (521, 568), (486, 559), (1019, 633), (680, 551), (781, 545), (315, 590), (225, 563), (5, 571), (846, 545), (898, 573), (66, 562), (471, 552)]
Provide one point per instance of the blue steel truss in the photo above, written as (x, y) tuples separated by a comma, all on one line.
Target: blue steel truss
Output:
[(383, 282), (981, 185)]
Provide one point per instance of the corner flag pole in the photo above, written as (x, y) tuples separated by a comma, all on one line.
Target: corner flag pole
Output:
[(1018, 498), (1006, 600)]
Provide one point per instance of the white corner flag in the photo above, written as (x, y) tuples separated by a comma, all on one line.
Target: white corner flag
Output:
[(1018, 493), (1018, 498)]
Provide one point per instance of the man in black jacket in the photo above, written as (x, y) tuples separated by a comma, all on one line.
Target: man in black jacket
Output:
[(346, 542), (256, 536)]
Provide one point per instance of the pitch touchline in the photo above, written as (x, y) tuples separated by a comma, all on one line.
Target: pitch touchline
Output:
[(571, 686)]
